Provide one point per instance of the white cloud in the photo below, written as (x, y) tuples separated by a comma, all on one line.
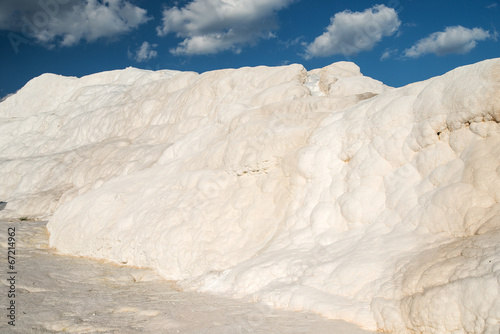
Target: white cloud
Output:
[(144, 52), (352, 32), (67, 22), (455, 39), (388, 53), (212, 26)]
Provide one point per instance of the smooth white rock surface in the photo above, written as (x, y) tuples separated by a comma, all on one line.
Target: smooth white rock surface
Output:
[(324, 191)]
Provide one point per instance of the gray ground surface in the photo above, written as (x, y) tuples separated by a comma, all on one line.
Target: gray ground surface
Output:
[(56, 293)]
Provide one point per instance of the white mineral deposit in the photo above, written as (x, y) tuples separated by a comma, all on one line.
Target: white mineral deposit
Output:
[(322, 191)]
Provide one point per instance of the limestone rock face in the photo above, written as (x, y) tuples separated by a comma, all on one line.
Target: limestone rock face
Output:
[(318, 190)]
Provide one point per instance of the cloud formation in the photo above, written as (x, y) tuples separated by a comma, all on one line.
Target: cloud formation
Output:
[(455, 39), (388, 53), (144, 52), (352, 32), (213, 26), (67, 22)]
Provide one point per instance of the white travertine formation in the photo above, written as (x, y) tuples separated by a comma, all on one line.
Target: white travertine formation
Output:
[(323, 190)]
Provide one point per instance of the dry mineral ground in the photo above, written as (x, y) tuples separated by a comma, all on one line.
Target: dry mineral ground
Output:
[(56, 293)]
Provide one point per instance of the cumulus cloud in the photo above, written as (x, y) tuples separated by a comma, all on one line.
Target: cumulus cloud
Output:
[(455, 39), (144, 52), (352, 32), (67, 22), (212, 26)]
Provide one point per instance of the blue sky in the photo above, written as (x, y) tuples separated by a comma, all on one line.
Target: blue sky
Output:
[(395, 41)]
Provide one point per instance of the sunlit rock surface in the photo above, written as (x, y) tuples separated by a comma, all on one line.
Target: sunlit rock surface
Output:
[(324, 191)]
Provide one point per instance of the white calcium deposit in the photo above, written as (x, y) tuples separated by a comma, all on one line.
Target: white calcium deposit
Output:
[(324, 191)]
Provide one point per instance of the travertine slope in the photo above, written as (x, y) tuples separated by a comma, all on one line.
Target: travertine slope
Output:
[(322, 190)]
